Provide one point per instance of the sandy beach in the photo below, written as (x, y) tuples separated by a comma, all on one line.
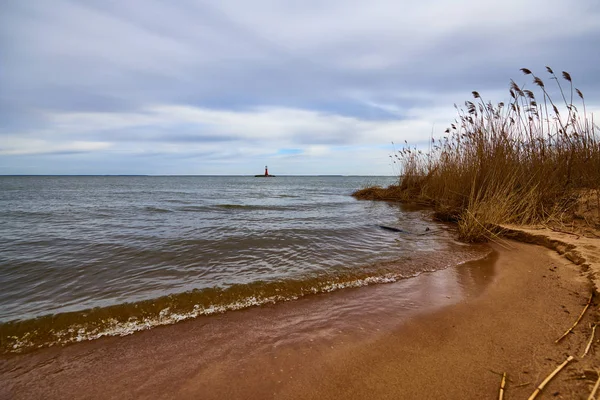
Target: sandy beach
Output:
[(442, 335)]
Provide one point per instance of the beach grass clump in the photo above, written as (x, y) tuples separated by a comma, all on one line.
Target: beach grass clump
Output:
[(528, 161), (391, 193)]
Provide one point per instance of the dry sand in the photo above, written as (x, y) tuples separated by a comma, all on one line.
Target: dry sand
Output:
[(582, 248), (449, 349)]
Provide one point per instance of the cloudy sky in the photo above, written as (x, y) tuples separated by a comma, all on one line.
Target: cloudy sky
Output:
[(225, 87)]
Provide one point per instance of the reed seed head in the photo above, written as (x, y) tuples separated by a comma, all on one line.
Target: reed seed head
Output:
[(514, 86), (538, 82), (529, 94)]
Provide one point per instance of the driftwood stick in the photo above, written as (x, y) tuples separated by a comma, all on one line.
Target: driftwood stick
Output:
[(595, 389), (587, 348), (578, 319), (548, 378), (502, 383)]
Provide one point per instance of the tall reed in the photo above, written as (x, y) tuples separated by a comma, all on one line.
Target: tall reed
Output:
[(523, 162)]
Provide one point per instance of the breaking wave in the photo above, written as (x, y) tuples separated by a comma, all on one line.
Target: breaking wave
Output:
[(125, 319)]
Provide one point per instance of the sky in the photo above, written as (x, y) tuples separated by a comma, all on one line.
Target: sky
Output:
[(226, 87)]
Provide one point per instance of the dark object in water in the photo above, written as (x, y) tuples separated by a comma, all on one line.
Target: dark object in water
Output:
[(389, 228)]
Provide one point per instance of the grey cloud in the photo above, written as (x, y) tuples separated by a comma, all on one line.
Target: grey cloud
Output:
[(175, 135), (372, 62)]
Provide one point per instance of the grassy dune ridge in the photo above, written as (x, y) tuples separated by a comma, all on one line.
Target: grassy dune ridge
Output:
[(530, 161)]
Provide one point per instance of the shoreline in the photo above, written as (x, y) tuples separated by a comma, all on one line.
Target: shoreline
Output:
[(504, 320), (68, 328), (460, 352)]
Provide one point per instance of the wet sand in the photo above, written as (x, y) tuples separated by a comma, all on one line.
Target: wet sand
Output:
[(442, 335)]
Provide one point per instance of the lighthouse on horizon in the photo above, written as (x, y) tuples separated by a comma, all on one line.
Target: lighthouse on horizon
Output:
[(266, 175)]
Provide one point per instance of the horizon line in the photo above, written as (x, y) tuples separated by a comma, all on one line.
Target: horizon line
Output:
[(180, 175)]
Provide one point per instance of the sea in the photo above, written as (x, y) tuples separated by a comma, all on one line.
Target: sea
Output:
[(82, 257)]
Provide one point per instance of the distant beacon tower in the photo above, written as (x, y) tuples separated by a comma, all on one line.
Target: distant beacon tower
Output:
[(266, 171)]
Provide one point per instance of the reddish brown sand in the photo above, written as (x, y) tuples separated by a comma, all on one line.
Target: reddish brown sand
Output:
[(467, 325)]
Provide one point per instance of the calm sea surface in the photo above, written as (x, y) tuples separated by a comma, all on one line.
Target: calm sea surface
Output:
[(84, 257)]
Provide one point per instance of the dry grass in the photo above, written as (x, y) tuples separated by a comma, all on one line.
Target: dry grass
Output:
[(525, 162), (391, 193)]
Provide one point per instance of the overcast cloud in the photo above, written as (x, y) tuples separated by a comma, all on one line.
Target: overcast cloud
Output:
[(307, 87)]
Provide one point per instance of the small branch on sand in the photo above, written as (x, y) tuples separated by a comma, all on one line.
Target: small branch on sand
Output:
[(595, 389), (578, 319), (587, 348), (502, 383), (545, 382)]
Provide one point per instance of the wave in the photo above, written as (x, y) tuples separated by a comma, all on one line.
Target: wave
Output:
[(178, 201), (251, 207), (156, 209), (236, 206), (29, 213), (210, 208), (294, 207), (254, 207), (124, 319)]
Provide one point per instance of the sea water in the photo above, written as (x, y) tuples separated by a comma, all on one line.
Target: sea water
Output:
[(88, 256)]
